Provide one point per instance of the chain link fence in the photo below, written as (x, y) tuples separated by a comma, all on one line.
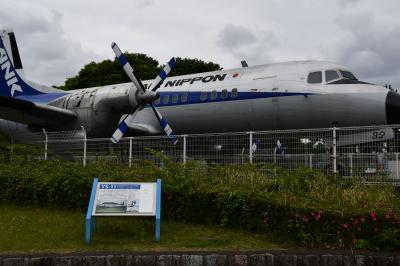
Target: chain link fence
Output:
[(371, 153)]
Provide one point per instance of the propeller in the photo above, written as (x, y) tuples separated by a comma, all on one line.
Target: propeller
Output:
[(144, 97)]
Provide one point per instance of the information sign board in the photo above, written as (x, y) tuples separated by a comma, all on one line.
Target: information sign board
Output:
[(123, 199)]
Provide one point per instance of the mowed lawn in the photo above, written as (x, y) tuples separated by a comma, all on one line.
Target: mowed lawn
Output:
[(25, 229)]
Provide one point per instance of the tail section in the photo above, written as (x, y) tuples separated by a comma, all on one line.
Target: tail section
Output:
[(11, 82)]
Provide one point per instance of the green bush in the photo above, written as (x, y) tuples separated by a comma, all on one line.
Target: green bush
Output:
[(304, 205)]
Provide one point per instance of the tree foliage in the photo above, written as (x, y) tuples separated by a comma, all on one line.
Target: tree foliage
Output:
[(109, 72), (185, 66)]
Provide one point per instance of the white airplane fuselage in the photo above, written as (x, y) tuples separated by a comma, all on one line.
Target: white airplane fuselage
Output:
[(290, 95), (273, 96)]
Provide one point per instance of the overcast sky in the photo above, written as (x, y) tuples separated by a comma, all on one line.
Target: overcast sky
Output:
[(57, 38)]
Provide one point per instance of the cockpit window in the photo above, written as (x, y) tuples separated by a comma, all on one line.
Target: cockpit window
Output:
[(347, 75), (315, 77), (331, 75)]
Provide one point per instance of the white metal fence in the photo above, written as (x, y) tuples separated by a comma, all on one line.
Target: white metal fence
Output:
[(368, 152)]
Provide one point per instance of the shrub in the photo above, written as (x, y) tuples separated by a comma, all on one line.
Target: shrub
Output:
[(304, 205)]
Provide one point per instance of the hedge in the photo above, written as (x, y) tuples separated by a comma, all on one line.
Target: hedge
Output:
[(303, 206)]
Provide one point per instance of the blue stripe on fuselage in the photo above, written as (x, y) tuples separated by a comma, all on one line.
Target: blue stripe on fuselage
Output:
[(195, 97), (42, 98), (192, 97)]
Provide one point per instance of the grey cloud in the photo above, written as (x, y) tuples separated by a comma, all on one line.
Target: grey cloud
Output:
[(145, 3), (47, 54), (348, 2), (368, 44), (243, 43)]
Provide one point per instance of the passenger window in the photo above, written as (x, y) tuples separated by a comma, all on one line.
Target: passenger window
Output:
[(166, 99), (314, 77), (174, 98), (234, 93), (203, 96), (224, 94), (331, 75), (184, 97), (213, 95)]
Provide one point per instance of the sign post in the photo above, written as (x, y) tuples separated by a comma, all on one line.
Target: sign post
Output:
[(124, 199)]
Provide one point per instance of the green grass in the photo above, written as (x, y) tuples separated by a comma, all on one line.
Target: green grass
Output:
[(25, 229)]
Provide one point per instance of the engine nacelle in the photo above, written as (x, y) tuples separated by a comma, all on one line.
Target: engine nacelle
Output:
[(147, 96)]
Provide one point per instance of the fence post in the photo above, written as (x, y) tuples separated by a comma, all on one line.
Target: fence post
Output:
[(45, 144), (130, 152), (334, 151), (250, 147), (84, 146), (351, 164), (310, 155), (397, 165), (184, 149)]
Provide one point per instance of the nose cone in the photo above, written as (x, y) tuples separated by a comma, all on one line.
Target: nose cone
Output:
[(393, 108)]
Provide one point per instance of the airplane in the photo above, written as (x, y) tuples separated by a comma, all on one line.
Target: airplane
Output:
[(288, 95)]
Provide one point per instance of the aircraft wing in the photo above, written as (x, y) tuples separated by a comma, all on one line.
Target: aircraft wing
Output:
[(33, 114)]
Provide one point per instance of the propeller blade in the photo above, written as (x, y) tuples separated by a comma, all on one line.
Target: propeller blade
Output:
[(126, 66), (164, 124), (163, 74), (123, 126)]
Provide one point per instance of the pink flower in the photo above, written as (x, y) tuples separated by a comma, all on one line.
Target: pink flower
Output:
[(305, 219), (387, 216), (373, 216), (318, 216), (345, 226), (355, 221), (390, 210), (362, 219)]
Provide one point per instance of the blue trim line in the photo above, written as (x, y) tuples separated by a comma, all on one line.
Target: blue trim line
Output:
[(194, 97), (158, 210), (89, 225), (42, 98)]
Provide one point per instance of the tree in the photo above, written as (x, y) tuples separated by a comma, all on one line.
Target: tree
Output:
[(109, 72), (185, 66)]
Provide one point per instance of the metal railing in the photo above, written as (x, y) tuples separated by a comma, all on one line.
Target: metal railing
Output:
[(368, 152)]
